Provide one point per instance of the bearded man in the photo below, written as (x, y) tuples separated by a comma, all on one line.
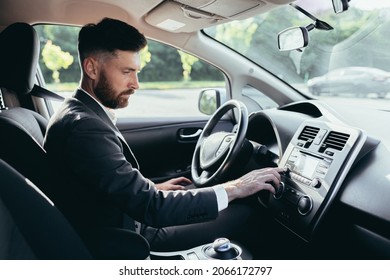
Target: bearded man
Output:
[(102, 185)]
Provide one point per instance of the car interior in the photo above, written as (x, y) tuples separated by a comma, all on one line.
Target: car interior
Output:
[(333, 202)]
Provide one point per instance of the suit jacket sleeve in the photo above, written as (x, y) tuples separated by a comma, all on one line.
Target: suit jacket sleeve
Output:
[(95, 156)]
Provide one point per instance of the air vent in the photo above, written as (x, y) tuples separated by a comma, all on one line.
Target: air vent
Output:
[(336, 140), (308, 133)]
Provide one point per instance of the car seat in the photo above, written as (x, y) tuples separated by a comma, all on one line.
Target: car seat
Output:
[(21, 139), (22, 129), (31, 227)]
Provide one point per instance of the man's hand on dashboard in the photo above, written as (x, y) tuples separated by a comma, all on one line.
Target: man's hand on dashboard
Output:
[(253, 182)]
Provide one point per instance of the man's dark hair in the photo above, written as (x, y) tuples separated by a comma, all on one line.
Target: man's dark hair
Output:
[(109, 35)]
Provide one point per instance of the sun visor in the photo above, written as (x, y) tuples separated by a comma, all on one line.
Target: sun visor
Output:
[(223, 8), (190, 15)]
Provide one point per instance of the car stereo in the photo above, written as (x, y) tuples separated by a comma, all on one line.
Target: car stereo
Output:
[(317, 160)]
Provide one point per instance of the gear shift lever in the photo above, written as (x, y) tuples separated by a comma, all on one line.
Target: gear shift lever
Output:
[(222, 249)]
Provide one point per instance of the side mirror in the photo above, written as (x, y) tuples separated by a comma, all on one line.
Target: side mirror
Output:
[(210, 100), (293, 38), (340, 6)]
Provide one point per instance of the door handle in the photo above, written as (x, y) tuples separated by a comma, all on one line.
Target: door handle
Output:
[(189, 137)]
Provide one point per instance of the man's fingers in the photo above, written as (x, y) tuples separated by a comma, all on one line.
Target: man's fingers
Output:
[(180, 181), (176, 187), (269, 187), (273, 170), (274, 180), (170, 187)]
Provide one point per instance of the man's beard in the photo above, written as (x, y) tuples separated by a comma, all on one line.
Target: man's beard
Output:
[(108, 97)]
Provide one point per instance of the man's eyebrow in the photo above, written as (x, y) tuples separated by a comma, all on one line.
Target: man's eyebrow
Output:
[(130, 68)]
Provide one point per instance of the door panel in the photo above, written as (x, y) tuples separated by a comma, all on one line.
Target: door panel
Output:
[(158, 144)]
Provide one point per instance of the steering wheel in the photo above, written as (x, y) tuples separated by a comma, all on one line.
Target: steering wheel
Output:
[(215, 151)]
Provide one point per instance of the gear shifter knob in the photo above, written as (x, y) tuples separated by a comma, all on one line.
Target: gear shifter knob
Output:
[(221, 245), (222, 249)]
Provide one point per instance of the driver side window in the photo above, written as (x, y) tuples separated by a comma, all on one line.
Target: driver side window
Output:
[(170, 80)]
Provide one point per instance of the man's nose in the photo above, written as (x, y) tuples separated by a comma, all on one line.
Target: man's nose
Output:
[(134, 84)]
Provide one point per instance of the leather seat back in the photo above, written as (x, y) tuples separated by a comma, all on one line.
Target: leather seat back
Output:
[(22, 129), (19, 53), (31, 227)]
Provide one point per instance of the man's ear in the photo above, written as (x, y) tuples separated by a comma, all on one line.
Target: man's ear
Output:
[(90, 66)]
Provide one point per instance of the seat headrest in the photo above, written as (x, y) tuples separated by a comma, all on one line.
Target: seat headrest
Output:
[(19, 53)]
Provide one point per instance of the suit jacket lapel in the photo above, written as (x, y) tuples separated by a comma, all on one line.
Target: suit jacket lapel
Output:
[(130, 157), (96, 108)]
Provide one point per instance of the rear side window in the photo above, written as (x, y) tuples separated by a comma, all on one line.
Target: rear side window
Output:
[(170, 80)]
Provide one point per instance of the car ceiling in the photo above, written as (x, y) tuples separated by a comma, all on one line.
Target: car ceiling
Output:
[(152, 15), (146, 15)]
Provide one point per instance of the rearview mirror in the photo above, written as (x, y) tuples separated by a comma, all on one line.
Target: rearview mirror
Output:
[(340, 6), (296, 38), (293, 38)]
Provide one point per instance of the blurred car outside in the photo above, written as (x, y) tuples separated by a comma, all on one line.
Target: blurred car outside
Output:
[(358, 81)]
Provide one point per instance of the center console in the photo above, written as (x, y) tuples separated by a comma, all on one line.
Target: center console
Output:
[(317, 159), (220, 249)]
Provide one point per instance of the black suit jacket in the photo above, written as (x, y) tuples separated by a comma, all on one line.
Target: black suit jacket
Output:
[(98, 177)]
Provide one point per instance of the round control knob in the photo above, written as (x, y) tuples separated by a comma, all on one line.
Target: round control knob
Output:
[(279, 192), (315, 183), (305, 204)]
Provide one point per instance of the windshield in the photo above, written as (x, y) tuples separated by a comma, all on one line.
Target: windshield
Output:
[(351, 62)]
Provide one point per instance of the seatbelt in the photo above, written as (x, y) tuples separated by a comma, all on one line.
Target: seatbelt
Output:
[(2, 105), (39, 91)]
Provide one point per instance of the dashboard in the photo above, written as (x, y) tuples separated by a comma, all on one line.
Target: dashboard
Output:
[(336, 170)]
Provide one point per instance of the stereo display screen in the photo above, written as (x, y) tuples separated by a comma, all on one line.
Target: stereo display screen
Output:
[(306, 165)]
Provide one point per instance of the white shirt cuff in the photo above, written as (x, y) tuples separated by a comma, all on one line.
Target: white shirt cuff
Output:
[(222, 197)]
